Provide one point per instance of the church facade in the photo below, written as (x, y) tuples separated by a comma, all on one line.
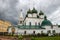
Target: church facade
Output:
[(35, 23)]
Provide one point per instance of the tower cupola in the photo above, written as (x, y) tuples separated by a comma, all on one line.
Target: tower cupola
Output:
[(34, 10), (46, 23), (29, 11), (21, 18), (41, 14)]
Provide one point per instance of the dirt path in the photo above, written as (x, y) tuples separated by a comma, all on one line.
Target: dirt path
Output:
[(8, 38)]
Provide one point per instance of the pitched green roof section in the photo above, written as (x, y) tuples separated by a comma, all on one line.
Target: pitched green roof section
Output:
[(46, 22), (41, 13), (29, 11), (29, 27), (34, 10)]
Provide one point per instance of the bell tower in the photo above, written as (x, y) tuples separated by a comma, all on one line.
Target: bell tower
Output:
[(21, 18)]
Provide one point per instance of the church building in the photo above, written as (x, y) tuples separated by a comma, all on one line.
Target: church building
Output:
[(35, 23)]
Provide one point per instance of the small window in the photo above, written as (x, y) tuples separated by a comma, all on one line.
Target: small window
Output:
[(35, 23), (51, 27), (41, 32), (53, 32), (24, 32), (30, 23), (33, 32), (38, 24), (25, 23), (20, 22), (49, 31)]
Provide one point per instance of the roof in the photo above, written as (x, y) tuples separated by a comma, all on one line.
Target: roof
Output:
[(29, 11), (41, 13), (28, 27), (46, 22), (34, 10)]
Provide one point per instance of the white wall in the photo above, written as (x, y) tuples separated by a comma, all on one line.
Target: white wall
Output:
[(56, 28), (33, 21), (41, 16), (34, 15), (30, 31), (29, 15), (47, 27)]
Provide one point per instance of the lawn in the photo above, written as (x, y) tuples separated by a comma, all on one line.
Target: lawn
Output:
[(46, 38), (40, 38)]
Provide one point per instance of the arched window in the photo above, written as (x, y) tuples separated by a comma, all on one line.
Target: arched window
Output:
[(39, 25), (30, 23), (25, 23), (33, 32), (35, 23), (53, 31), (20, 22), (52, 27), (41, 32), (49, 31), (24, 32)]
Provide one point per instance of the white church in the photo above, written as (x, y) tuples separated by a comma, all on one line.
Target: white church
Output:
[(34, 23)]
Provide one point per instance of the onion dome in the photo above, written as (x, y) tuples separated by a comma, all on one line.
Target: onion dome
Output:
[(41, 13), (34, 10), (46, 22), (29, 11)]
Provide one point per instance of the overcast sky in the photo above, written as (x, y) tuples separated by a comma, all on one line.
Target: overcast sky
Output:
[(10, 9)]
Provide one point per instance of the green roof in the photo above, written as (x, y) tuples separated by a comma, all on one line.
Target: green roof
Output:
[(29, 27), (46, 22), (41, 13), (29, 11), (34, 10)]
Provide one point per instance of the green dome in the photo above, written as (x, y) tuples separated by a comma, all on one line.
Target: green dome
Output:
[(46, 22), (41, 13), (34, 10), (29, 11)]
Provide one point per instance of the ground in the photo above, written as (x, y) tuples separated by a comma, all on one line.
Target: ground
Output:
[(29, 38), (46, 38), (40, 38), (8, 38)]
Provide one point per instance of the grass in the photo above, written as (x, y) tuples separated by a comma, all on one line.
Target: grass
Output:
[(46, 38), (40, 38)]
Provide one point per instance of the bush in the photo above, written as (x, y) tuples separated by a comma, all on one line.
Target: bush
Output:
[(20, 37), (38, 34)]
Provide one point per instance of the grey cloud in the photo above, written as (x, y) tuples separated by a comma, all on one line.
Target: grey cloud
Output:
[(8, 12), (10, 9)]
